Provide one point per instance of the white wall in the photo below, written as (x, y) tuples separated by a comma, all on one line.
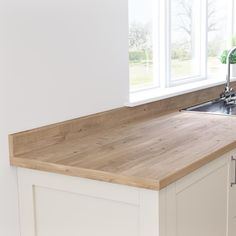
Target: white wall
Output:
[(59, 59)]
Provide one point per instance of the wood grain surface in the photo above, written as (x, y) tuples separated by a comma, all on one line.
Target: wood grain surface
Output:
[(141, 146)]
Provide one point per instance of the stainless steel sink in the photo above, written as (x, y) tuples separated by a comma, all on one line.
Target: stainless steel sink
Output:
[(218, 106), (226, 104)]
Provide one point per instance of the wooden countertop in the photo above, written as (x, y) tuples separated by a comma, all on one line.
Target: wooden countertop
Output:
[(149, 152)]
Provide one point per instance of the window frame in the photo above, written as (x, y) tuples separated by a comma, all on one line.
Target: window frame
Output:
[(162, 50)]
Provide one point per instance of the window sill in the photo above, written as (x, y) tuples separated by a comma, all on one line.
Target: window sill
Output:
[(155, 94)]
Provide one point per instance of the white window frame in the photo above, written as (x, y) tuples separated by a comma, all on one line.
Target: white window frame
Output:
[(165, 87)]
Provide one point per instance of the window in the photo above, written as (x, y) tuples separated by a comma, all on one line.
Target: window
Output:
[(141, 44), (173, 43), (217, 35), (186, 41)]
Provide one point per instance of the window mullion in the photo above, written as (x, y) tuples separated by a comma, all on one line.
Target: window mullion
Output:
[(204, 38), (156, 43), (230, 21), (164, 26), (233, 17)]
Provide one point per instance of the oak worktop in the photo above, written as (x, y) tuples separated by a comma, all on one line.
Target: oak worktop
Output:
[(149, 152), (148, 146)]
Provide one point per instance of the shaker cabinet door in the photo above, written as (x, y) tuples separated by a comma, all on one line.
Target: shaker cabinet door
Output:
[(197, 204), (232, 198)]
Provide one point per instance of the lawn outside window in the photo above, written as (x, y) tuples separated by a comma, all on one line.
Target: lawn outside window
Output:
[(175, 43)]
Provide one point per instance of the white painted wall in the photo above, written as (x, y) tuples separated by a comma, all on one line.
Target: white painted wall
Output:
[(59, 59)]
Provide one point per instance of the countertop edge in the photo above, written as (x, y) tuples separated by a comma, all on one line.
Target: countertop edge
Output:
[(85, 173), (196, 165), (151, 184)]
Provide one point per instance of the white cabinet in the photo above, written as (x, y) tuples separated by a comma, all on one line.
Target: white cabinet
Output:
[(59, 205), (232, 198), (202, 203)]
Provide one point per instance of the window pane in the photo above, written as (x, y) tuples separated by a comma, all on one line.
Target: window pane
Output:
[(217, 36), (141, 44), (234, 23), (185, 39)]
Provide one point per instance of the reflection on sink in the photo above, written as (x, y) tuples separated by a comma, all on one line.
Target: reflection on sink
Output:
[(218, 106)]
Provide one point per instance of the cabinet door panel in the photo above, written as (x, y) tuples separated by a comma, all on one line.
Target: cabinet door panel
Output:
[(232, 226), (197, 205), (62, 213), (232, 202), (201, 209)]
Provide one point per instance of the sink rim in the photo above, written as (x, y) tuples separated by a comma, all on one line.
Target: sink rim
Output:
[(208, 103)]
